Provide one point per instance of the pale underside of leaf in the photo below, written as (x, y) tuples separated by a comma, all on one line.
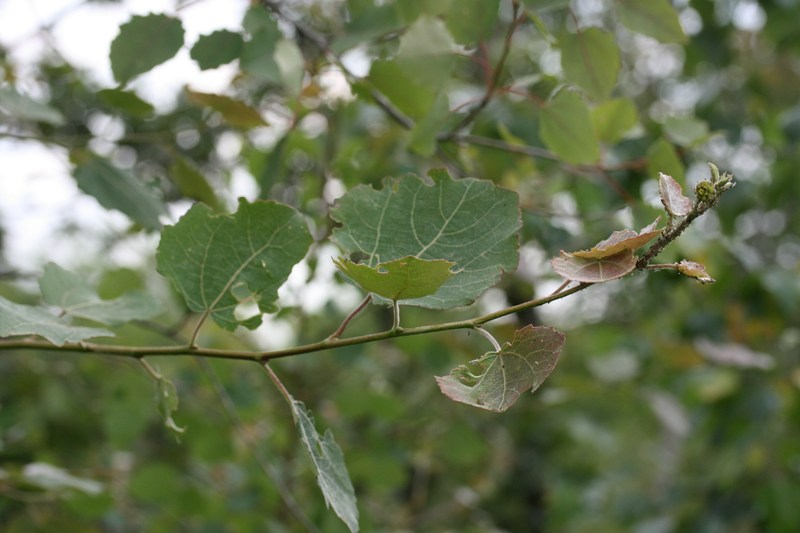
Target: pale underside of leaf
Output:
[(217, 260), (469, 222), (402, 279), (328, 460), (521, 365), (17, 319), (594, 270), (672, 196), (695, 270)]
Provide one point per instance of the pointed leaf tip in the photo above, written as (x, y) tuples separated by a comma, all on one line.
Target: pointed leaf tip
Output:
[(626, 239), (695, 270), (501, 377)]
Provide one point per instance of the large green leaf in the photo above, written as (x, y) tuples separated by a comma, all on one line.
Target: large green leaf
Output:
[(143, 43), (17, 319), (401, 279), (590, 59), (75, 297), (216, 261), (567, 129), (216, 49), (19, 106), (117, 189), (328, 460), (497, 379), (470, 222), (656, 18)]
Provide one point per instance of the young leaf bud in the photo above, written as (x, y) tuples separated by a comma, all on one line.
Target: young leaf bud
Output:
[(714, 172), (705, 191)]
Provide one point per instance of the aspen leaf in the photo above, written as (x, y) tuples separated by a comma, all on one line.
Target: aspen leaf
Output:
[(472, 223), (626, 239), (695, 270), (18, 319), (672, 196), (594, 269), (401, 279), (590, 59), (236, 113), (656, 18), (143, 43), (566, 128), (212, 259), (495, 381)]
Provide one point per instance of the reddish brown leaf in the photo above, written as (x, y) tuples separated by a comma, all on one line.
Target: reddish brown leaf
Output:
[(626, 239), (593, 269), (695, 270), (672, 196), (496, 380)]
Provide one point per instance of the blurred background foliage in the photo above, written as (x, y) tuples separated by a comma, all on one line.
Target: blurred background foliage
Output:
[(675, 405)]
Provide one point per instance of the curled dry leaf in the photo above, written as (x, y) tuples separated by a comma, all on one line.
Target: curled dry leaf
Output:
[(594, 270), (694, 270), (672, 196)]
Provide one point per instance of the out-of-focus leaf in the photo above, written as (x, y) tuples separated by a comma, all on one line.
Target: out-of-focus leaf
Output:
[(686, 131), (427, 51), (423, 136), (117, 189), (328, 460), (17, 319), (542, 5), (212, 259), (217, 48), (70, 293), (694, 270), (234, 112), (192, 183), (471, 222), (662, 157), (258, 52), (626, 239), (612, 119), (291, 64), (735, 355), (590, 59), (410, 95), (167, 401), (127, 101), (594, 270), (567, 129), (656, 18), (14, 105), (143, 43), (401, 279), (672, 196), (52, 478), (497, 379), (470, 21)]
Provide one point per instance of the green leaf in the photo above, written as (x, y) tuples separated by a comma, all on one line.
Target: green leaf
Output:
[(423, 138), (566, 128), (216, 49), (471, 21), (594, 270), (427, 51), (70, 293), (405, 91), (167, 401), (192, 183), (258, 52), (291, 65), (656, 18), (401, 279), (662, 157), (612, 119), (543, 5), (672, 197), (686, 131), (118, 189), (497, 379), (328, 460), (143, 43), (212, 258), (14, 105), (472, 223), (127, 101), (17, 319), (626, 239), (590, 59), (236, 113)]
